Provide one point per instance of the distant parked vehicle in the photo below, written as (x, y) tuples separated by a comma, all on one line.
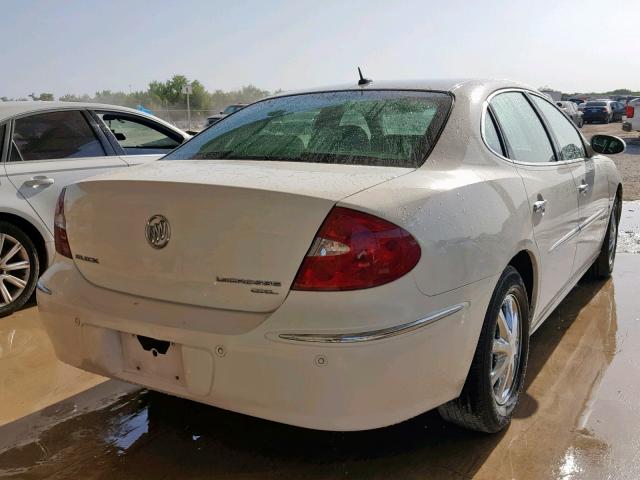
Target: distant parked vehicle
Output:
[(570, 109), (619, 109), (632, 123), (599, 111), (227, 111)]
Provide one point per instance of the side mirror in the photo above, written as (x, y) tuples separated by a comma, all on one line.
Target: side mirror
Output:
[(120, 136), (607, 144), (221, 113)]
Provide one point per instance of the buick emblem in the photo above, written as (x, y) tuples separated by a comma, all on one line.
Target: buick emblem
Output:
[(158, 231)]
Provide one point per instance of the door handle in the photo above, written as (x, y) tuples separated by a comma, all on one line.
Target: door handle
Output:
[(39, 181), (540, 206), (583, 187)]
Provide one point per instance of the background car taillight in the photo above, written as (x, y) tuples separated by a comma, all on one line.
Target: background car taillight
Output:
[(355, 250), (60, 228), (630, 111)]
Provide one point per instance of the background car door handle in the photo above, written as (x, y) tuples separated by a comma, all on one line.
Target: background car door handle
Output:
[(39, 181), (540, 206), (583, 187)]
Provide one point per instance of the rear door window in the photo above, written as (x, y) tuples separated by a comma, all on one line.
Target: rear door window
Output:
[(139, 136), (570, 145), (491, 135), (54, 135), (526, 137)]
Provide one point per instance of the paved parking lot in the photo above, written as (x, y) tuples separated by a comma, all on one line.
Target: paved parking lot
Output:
[(578, 419)]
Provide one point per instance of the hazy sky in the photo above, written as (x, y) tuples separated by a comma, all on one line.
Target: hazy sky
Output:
[(83, 46)]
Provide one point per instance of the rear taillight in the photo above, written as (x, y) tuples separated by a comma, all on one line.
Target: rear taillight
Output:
[(630, 111), (355, 250), (60, 228)]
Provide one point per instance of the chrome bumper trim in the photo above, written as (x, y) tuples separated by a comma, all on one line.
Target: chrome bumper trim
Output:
[(43, 288), (374, 334)]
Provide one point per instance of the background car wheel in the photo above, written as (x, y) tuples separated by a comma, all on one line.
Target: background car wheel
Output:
[(496, 377), (19, 268), (608, 119), (603, 265), (580, 123)]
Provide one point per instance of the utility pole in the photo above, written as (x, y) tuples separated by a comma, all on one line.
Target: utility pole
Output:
[(188, 90)]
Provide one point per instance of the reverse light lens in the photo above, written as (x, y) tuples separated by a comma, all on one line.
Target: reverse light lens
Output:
[(60, 228), (355, 250)]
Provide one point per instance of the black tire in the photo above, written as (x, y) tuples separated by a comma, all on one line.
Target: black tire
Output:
[(602, 267), (31, 274), (477, 407), (608, 119), (580, 123)]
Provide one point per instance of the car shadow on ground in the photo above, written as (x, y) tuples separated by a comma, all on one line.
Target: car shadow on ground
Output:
[(150, 435)]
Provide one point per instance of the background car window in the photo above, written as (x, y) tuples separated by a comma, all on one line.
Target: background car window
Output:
[(569, 142), (522, 128), (491, 135), (55, 135), (138, 137)]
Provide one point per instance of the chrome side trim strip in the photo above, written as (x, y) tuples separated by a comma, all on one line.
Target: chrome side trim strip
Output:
[(574, 231), (44, 289), (358, 337), (593, 218), (565, 238)]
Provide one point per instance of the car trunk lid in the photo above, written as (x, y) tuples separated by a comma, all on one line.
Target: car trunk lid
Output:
[(238, 230)]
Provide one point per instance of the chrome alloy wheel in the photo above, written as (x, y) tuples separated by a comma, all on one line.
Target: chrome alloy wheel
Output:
[(613, 237), (14, 269), (505, 354)]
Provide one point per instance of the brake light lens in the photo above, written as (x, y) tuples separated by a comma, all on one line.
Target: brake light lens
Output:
[(354, 250), (60, 228), (630, 111)]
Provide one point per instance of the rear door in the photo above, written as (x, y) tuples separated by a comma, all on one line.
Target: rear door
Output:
[(50, 150), (141, 139), (591, 184), (550, 188)]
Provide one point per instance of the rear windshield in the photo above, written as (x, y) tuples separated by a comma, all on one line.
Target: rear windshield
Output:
[(596, 104), (380, 128)]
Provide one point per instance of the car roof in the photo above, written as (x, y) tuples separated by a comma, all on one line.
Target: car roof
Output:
[(11, 109), (453, 85)]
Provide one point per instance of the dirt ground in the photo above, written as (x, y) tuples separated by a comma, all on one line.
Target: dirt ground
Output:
[(629, 162)]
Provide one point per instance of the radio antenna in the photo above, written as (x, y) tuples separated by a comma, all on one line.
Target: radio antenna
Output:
[(363, 81)]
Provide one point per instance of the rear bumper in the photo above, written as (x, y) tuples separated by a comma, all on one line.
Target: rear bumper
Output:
[(254, 369), (595, 116)]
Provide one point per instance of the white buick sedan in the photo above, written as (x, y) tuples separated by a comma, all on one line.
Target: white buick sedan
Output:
[(45, 146), (339, 259)]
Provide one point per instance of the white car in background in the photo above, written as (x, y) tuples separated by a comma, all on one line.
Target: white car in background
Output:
[(45, 146), (339, 259), (632, 122)]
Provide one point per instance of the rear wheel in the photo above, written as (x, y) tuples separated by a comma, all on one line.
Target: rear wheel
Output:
[(19, 268), (603, 265), (496, 377)]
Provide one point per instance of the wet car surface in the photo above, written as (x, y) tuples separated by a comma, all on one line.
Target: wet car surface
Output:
[(578, 418)]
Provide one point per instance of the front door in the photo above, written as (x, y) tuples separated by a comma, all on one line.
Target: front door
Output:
[(51, 150), (592, 186)]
